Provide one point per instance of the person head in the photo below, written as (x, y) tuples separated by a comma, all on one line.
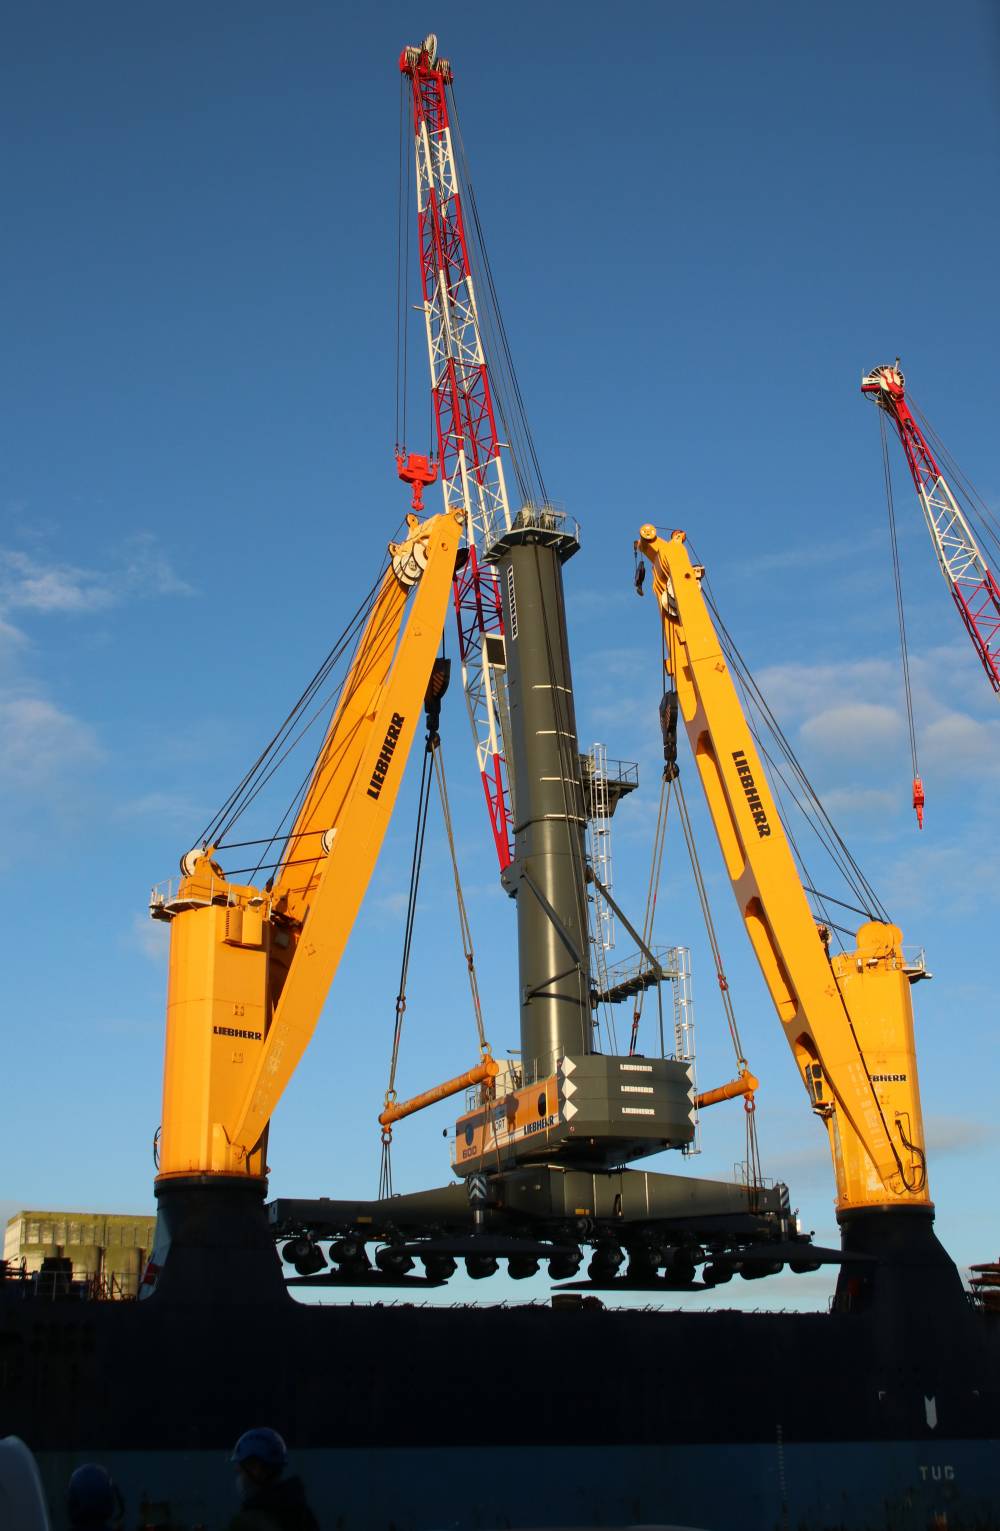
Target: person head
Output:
[(92, 1500), (261, 1456)]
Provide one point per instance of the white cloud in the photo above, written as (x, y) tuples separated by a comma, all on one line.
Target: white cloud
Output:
[(152, 937), (26, 584), (171, 807), (852, 726), (794, 690), (146, 569), (957, 876), (852, 802), (959, 745), (957, 1134), (856, 709), (39, 740), (816, 553), (11, 637), (140, 567)]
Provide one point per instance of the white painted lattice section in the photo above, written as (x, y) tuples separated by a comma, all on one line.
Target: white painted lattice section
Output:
[(599, 834), (453, 337), (962, 564), (677, 966)]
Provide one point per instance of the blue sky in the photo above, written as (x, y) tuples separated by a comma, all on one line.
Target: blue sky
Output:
[(705, 223)]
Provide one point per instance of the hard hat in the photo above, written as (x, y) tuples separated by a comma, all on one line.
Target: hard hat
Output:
[(261, 1445), (91, 1498)]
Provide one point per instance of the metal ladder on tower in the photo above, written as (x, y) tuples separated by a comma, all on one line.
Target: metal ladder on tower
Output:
[(599, 851), (677, 967)]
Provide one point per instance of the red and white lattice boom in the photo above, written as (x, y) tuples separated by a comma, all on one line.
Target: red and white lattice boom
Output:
[(972, 585), (471, 466)]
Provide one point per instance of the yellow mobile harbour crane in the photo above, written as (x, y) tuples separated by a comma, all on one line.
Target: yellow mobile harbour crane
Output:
[(544, 1154), (848, 1017)]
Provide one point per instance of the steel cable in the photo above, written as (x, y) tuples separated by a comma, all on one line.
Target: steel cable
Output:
[(248, 787), (833, 841), (898, 584)]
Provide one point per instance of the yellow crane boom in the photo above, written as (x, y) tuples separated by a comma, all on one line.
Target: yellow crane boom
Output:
[(847, 1018), (250, 967)]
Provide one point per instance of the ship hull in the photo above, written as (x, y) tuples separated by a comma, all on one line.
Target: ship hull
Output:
[(418, 1417), (809, 1486)]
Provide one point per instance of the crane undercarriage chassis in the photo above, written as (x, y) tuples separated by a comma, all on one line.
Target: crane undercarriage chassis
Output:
[(645, 1231)]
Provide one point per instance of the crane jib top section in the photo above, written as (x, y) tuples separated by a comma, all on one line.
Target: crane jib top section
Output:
[(469, 455), (972, 584)]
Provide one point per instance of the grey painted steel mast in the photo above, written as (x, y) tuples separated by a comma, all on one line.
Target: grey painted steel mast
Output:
[(547, 875)]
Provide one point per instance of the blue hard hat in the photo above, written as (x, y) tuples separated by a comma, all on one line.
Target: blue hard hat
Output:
[(261, 1445), (91, 1498)]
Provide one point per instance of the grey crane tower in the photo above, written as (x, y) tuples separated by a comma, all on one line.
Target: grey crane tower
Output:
[(608, 1110), (547, 875)]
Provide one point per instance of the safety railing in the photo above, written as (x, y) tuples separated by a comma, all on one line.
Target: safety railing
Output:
[(75, 1285), (165, 897)]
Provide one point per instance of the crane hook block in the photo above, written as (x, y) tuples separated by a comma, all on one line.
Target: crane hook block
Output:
[(918, 801), (418, 471)]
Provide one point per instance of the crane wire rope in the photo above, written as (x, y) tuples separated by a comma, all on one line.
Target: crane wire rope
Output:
[(784, 793), (845, 862), (811, 808), (989, 523), (416, 862), (921, 1178), (918, 792), (649, 913), (499, 356), (667, 777), (433, 754), (402, 270), (465, 928), (750, 1106), (741, 668), (263, 768), (753, 1175), (918, 1184)]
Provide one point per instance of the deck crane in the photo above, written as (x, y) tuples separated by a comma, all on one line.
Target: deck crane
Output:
[(469, 451), (969, 578), (848, 1017), (543, 1155), (250, 966)]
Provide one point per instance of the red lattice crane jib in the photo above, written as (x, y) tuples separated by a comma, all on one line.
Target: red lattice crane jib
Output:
[(973, 587), (469, 457)]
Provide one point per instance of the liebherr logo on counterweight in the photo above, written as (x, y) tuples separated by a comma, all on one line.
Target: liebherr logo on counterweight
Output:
[(385, 755), (753, 797)]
